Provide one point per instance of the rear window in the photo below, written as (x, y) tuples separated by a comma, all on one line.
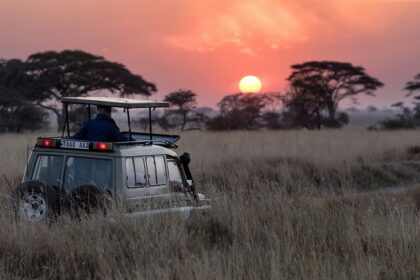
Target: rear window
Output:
[(48, 169), (81, 170)]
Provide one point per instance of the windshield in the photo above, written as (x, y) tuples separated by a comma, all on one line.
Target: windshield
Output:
[(48, 169), (81, 170)]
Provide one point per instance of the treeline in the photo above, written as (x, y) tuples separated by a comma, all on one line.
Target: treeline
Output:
[(314, 92), (31, 89)]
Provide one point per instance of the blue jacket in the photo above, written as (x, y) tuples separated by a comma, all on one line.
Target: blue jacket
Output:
[(101, 128)]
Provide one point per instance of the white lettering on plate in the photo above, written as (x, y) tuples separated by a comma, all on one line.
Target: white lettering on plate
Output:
[(70, 144)]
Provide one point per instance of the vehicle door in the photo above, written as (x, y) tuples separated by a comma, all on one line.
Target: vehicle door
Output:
[(146, 183)]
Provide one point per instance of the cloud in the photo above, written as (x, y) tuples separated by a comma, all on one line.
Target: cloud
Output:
[(254, 26), (245, 24)]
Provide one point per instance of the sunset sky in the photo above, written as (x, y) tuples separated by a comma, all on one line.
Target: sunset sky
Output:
[(209, 45)]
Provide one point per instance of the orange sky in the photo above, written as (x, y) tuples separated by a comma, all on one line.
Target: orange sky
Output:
[(208, 45)]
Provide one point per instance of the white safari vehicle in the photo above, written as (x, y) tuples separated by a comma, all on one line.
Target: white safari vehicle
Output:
[(140, 177)]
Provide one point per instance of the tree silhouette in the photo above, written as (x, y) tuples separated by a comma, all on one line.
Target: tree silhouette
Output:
[(16, 100), (185, 101), (241, 111), (304, 108), (413, 85), (321, 85), (78, 73)]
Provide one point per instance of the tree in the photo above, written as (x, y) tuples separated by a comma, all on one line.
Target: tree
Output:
[(22, 115), (409, 117), (184, 101), (303, 108), (16, 101), (241, 111), (404, 120), (325, 83), (78, 73), (272, 120), (413, 85)]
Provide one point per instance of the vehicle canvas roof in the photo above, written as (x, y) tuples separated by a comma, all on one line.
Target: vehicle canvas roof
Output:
[(114, 102)]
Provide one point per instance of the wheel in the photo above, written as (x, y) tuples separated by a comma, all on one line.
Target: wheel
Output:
[(89, 199), (35, 201)]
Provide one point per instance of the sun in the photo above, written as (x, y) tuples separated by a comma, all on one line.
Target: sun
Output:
[(250, 84)]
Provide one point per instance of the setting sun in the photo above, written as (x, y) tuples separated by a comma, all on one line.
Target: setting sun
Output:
[(250, 84)]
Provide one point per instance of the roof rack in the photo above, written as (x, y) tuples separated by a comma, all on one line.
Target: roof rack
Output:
[(125, 103), (163, 143), (114, 102)]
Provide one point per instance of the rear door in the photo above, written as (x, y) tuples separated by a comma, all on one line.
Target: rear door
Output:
[(146, 183)]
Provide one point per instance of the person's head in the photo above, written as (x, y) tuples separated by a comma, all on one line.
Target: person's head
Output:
[(106, 110)]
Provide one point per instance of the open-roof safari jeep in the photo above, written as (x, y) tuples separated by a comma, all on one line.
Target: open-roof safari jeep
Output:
[(140, 177)]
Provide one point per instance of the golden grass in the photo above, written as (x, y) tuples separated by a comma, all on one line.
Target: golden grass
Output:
[(295, 204)]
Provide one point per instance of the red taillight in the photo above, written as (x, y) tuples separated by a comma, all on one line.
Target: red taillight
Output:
[(47, 143), (102, 146)]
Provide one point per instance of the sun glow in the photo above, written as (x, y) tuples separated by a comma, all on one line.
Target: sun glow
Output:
[(250, 84)]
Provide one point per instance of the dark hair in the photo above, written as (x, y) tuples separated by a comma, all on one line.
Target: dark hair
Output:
[(104, 110)]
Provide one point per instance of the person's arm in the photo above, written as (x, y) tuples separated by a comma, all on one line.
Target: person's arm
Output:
[(82, 133)]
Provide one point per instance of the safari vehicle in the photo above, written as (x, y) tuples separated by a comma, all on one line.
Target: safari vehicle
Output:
[(140, 177)]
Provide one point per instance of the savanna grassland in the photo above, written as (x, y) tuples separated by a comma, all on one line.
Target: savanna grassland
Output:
[(296, 204)]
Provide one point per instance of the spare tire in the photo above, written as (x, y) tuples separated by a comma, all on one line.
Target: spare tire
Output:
[(35, 201), (89, 199)]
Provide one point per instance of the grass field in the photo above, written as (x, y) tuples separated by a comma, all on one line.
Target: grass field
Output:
[(296, 204)]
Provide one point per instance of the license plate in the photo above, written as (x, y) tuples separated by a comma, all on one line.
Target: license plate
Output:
[(71, 144)]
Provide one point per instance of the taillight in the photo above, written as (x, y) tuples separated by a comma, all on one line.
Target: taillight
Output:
[(47, 143), (102, 146)]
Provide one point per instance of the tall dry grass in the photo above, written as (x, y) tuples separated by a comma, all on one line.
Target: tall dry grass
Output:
[(296, 204)]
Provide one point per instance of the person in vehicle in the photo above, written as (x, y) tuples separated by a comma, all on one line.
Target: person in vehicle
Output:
[(101, 128)]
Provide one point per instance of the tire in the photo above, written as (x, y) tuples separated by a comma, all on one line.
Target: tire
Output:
[(89, 199), (35, 201)]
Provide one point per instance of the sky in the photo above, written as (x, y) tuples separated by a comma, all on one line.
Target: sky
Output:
[(208, 45)]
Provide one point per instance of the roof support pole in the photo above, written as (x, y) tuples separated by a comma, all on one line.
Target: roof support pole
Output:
[(150, 123), (129, 123), (65, 124), (67, 119)]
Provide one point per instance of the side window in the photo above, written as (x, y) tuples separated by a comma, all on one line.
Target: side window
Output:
[(156, 170), (160, 170), (140, 171), (129, 168), (48, 169), (175, 178), (174, 173), (151, 170)]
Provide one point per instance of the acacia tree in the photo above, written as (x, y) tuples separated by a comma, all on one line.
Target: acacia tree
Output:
[(323, 84), (78, 73), (15, 99), (304, 109), (184, 101), (242, 111)]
